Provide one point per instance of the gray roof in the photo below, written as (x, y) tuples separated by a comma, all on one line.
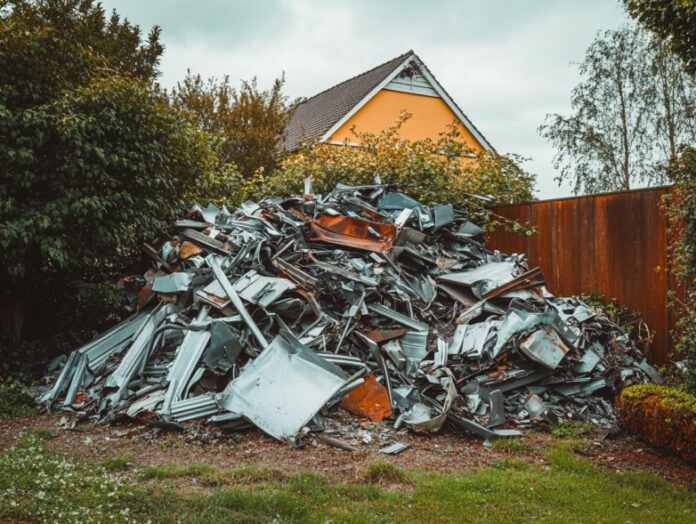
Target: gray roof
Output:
[(315, 116)]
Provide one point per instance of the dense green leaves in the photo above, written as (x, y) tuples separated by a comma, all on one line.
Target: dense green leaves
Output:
[(442, 170), (247, 122), (681, 208), (93, 158), (50, 45), (674, 21)]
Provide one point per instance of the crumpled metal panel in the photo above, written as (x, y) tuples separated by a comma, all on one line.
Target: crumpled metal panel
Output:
[(283, 388), (136, 356), (261, 290), (173, 283), (484, 278), (353, 232), (370, 400), (545, 347)]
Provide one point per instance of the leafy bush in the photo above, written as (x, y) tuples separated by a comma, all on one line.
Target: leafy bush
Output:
[(93, 160), (662, 416), (443, 170), (681, 212), (15, 400)]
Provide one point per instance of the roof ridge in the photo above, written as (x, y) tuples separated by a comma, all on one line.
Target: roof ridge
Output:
[(403, 56)]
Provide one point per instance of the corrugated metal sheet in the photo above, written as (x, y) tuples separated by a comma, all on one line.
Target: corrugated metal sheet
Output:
[(613, 244)]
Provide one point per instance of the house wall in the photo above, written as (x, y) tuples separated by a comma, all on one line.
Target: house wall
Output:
[(430, 118)]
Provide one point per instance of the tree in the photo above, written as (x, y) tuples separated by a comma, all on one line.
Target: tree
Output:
[(52, 45), (247, 122), (673, 21), (673, 113), (92, 160), (630, 111)]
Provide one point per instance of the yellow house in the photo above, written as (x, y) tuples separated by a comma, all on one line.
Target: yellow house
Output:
[(373, 101)]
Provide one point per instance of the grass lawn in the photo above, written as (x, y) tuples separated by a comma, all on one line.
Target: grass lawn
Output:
[(39, 484)]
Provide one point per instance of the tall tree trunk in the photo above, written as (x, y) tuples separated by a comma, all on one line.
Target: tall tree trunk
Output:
[(626, 183)]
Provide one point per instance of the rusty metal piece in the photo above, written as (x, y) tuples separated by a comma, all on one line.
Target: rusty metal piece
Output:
[(545, 347), (189, 249), (532, 278), (206, 241), (383, 335), (353, 232), (370, 400)]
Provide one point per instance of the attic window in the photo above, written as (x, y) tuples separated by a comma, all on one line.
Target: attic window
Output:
[(410, 71)]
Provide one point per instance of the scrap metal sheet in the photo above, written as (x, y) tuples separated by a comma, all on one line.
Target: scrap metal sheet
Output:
[(283, 388)]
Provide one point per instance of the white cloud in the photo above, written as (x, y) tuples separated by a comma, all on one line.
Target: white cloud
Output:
[(505, 62)]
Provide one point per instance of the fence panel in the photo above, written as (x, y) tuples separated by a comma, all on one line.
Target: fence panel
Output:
[(614, 244)]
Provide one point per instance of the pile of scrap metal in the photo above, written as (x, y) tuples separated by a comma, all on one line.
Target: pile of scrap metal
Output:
[(278, 312)]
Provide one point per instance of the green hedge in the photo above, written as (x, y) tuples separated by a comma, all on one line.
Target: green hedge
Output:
[(663, 416)]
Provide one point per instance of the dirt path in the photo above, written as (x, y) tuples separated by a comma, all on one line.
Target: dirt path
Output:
[(444, 452)]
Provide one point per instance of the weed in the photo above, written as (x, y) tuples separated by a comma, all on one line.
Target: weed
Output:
[(381, 473), (172, 470), (572, 429), (118, 463), (510, 444), (255, 475)]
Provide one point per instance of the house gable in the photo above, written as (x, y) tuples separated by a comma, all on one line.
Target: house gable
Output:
[(430, 116), (328, 116)]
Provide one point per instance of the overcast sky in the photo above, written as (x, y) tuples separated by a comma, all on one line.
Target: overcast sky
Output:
[(507, 63)]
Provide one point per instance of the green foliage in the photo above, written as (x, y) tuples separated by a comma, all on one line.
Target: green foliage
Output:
[(631, 110), (118, 463), (246, 122), (93, 159), (663, 416), (85, 180), (681, 212), (510, 444), (571, 429), (15, 400), (48, 46), (674, 21), (618, 313), (442, 170)]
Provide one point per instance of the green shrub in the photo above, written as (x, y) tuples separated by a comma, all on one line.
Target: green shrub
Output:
[(432, 171), (15, 400), (662, 416)]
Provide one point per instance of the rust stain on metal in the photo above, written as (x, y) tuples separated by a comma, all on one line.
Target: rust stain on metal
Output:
[(189, 249), (370, 400), (353, 232), (383, 335), (613, 244)]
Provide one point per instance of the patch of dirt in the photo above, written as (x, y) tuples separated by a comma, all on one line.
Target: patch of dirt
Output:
[(444, 452)]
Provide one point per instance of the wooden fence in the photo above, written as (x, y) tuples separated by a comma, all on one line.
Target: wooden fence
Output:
[(614, 244)]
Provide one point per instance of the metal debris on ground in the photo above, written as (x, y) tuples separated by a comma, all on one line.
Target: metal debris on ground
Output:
[(276, 314)]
